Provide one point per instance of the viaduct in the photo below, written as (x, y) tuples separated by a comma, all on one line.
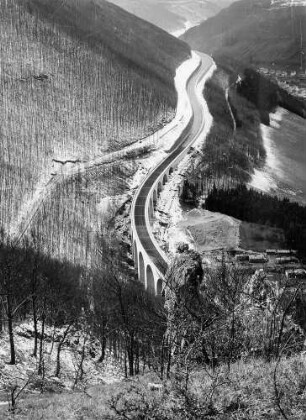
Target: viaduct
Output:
[(150, 260)]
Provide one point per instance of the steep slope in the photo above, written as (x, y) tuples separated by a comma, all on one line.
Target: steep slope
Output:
[(257, 32), (171, 14), (102, 22), (79, 78), (153, 11)]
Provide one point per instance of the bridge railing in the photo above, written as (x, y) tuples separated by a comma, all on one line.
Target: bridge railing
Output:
[(173, 164)]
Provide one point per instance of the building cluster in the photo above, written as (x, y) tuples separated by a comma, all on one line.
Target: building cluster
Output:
[(274, 262)]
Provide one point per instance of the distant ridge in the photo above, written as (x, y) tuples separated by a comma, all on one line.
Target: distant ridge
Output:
[(172, 14), (256, 32)]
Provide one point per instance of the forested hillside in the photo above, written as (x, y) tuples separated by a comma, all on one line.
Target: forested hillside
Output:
[(255, 33), (79, 78), (100, 22)]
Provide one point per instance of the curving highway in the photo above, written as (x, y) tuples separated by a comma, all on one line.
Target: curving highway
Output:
[(141, 227)]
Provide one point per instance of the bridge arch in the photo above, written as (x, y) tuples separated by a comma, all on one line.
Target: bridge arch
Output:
[(159, 287), (150, 280), (151, 210), (171, 170), (154, 198), (141, 269), (165, 179), (159, 188), (135, 255)]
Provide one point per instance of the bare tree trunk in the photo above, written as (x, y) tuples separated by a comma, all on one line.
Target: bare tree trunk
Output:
[(52, 345), (232, 340), (59, 348), (41, 361), (125, 365), (1, 315), (115, 350), (137, 359), (103, 349), (10, 329), (80, 371), (34, 299), (130, 352), (169, 361), (162, 357)]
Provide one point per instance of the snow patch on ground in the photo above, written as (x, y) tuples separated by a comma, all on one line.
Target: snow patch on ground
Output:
[(29, 205), (94, 373), (261, 179), (287, 3), (108, 205)]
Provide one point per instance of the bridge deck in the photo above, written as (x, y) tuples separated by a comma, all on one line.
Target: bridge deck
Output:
[(185, 140)]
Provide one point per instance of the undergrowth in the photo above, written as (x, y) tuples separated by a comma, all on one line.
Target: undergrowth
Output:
[(246, 391)]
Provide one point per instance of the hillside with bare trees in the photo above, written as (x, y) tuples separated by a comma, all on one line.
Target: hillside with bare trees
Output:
[(79, 79)]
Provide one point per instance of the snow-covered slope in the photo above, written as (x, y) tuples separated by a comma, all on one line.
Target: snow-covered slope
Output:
[(287, 3)]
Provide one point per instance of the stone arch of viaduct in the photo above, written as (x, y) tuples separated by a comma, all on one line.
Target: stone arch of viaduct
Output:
[(148, 273)]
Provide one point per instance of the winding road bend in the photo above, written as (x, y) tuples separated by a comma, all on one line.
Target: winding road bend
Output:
[(141, 228)]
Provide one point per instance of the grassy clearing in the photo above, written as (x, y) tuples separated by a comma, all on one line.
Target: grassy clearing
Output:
[(260, 237), (69, 95)]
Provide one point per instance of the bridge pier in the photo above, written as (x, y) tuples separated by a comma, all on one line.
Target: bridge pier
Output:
[(151, 211), (148, 274)]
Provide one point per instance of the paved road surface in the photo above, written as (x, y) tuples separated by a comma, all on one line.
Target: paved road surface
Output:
[(188, 137)]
